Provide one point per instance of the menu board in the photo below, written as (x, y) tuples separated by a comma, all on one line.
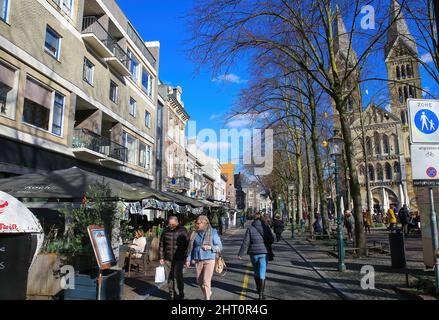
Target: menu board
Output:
[(102, 247)]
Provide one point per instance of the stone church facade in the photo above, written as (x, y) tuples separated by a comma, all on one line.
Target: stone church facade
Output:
[(386, 134)]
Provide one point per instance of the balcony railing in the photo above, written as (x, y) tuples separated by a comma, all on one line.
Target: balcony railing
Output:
[(83, 138), (91, 24), (141, 45), (179, 182)]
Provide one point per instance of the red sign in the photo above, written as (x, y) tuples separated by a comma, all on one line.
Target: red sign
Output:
[(9, 227), (3, 205)]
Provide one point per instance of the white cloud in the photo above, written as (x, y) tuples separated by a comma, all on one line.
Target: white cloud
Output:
[(238, 123), (425, 91), (229, 77), (214, 117), (426, 58)]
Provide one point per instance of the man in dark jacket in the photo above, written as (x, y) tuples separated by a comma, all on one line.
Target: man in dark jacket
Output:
[(257, 241), (278, 227), (172, 252), (404, 218)]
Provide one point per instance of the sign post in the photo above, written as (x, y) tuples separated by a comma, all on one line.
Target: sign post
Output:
[(424, 137)]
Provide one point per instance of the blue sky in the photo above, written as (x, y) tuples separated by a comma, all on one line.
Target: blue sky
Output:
[(205, 99)]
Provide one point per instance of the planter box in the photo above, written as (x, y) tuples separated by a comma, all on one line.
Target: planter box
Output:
[(86, 287), (43, 279)]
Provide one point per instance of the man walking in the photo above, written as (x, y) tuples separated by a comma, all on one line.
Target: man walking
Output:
[(172, 251), (404, 218)]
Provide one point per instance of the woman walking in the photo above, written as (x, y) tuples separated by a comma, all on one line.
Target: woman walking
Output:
[(258, 239), (204, 243)]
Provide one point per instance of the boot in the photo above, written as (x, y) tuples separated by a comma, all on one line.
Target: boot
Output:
[(258, 284), (261, 293)]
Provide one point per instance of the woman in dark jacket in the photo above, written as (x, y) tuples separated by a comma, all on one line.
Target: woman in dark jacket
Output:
[(257, 238), (278, 227)]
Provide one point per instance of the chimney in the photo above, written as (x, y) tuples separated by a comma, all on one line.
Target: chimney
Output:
[(177, 93)]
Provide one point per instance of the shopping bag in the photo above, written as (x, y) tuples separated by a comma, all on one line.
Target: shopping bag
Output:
[(160, 274)]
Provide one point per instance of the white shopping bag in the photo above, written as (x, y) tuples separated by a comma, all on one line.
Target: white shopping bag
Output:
[(160, 274)]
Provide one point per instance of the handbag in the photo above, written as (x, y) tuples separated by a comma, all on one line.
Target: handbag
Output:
[(160, 274), (220, 265), (270, 253)]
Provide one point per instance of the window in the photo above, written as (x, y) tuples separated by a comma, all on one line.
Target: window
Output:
[(58, 110), (403, 72), (113, 91), (403, 117), (133, 107), (4, 10), (66, 6), (395, 143), (386, 149), (368, 146), (371, 173), (146, 82), (147, 119), (401, 97), (388, 170), (398, 73), (380, 173), (148, 157), (142, 155), (52, 43), (377, 141), (133, 66), (8, 90), (411, 92), (362, 171), (409, 71), (37, 104), (130, 143), (88, 71)]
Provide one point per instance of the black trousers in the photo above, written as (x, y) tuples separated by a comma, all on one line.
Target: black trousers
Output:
[(174, 272)]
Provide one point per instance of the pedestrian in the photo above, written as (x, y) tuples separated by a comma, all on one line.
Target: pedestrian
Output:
[(404, 218), (267, 220), (391, 218), (349, 223), (204, 244), (367, 220), (172, 252), (317, 225), (242, 220), (278, 227), (257, 243)]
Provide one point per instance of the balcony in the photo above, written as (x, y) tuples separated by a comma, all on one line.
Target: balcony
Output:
[(88, 145), (179, 183), (98, 38)]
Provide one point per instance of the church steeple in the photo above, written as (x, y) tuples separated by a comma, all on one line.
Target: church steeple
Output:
[(399, 30), (342, 40)]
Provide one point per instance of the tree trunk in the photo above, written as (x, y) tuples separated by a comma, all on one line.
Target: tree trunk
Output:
[(353, 175), (310, 183)]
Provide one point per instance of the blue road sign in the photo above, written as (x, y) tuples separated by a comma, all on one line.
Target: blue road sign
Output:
[(426, 121), (431, 172)]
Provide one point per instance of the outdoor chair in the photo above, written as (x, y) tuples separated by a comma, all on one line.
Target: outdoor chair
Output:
[(143, 260)]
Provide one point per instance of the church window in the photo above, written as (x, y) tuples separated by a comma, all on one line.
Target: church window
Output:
[(411, 92), (362, 170), (406, 93), (385, 144), (377, 141), (396, 167), (380, 173), (409, 71), (368, 146), (401, 97), (395, 143), (403, 72), (371, 173), (398, 73), (388, 169)]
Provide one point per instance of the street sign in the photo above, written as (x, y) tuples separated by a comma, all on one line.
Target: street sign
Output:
[(425, 164), (424, 120)]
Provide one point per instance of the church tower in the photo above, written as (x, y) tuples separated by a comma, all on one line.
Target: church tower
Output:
[(401, 58), (346, 59)]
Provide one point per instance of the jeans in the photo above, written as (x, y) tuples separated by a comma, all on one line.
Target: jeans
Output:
[(259, 262)]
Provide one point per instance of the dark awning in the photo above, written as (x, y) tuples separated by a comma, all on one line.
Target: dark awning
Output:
[(182, 199), (71, 183)]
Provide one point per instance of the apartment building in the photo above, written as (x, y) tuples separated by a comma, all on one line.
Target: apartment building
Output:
[(78, 87), (228, 169), (175, 118)]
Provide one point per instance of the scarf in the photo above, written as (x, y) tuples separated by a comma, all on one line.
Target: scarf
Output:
[(207, 240)]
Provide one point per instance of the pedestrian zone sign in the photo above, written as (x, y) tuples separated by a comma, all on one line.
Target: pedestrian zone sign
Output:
[(424, 120), (425, 164)]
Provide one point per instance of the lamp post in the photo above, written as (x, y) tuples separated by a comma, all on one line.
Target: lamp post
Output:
[(336, 150)]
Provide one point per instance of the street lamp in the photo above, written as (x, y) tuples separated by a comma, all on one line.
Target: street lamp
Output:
[(335, 144)]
